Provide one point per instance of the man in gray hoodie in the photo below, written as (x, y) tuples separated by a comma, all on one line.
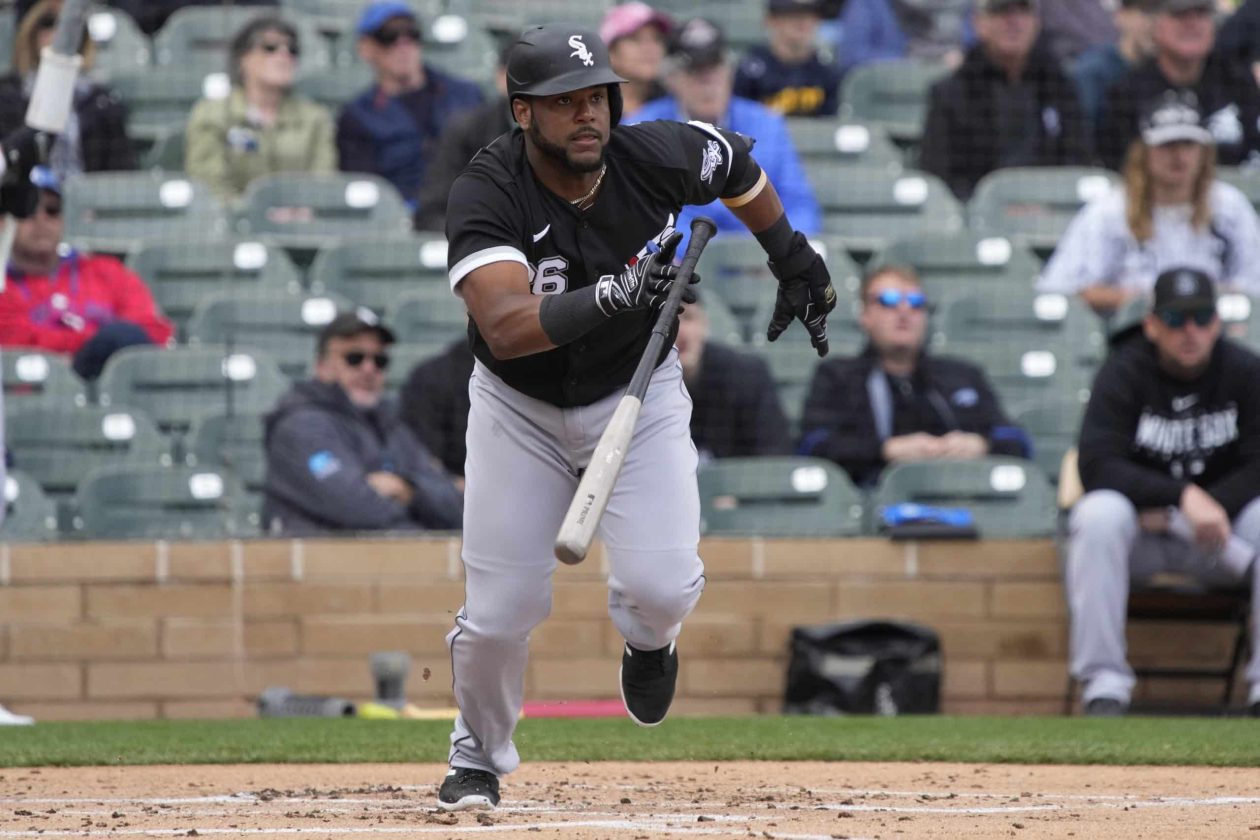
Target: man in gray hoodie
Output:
[(339, 458)]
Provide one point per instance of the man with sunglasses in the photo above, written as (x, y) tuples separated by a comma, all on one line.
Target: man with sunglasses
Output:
[(1170, 459), (339, 458), (894, 402), (392, 128)]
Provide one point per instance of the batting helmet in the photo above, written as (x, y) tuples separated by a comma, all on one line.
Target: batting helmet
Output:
[(557, 58)]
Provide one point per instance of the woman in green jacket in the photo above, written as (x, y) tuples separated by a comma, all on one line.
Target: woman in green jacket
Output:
[(261, 127)]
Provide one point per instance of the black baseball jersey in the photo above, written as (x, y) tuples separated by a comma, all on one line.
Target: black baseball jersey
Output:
[(500, 211)]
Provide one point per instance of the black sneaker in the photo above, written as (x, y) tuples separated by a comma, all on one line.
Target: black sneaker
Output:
[(1108, 707), (648, 678), (464, 789)]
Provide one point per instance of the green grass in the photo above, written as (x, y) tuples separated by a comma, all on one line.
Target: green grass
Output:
[(1168, 741)]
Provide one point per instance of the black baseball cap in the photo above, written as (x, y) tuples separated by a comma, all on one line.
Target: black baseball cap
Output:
[(781, 7), (697, 44), (1172, 118), (995, 6), (1172, 7), (1183, 290), (355, 322)]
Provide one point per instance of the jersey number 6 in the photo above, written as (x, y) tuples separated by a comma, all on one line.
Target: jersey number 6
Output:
[(548, 278)]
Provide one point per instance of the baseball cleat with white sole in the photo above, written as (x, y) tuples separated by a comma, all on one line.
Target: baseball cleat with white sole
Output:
[(466, 789)]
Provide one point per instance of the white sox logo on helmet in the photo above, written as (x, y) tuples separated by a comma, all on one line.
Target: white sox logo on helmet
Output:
[(580, 51)]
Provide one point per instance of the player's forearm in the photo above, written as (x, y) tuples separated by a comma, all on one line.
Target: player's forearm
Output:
[(511, 327)]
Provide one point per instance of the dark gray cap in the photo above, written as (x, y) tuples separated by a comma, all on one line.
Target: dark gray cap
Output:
[(355, 322)]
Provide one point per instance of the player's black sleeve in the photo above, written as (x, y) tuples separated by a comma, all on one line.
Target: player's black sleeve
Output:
[(483, 226), (698, 162)]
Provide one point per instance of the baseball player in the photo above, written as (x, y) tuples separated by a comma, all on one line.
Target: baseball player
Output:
[(561, 240)]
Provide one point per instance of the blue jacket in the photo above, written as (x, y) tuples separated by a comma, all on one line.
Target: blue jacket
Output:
[(394, 137), (774, 152), (869, 31)]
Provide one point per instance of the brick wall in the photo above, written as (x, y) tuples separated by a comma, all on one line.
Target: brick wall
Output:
[(143, 630)]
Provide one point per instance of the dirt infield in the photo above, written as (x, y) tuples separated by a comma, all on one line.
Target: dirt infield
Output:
[(791, 801)]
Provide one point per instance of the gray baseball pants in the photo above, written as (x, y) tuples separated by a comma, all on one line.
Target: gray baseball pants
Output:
[(521, 472), (1106, 550)]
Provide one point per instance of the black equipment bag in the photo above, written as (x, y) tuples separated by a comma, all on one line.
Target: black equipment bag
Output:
[(864, 667)]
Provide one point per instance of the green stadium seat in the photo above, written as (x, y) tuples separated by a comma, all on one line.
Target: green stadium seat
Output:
[(182, 274), (890, 94), (1035, 204), (871, 207), (117, 212), (723, 325), (1054, 425), (282, 325), (233, 442), (948, 262), (167, 152), (59, 447), (426, 314), (198, 37), (158, 101), (511, 18), (142, 502), (1009, 498), (1022, 372), (844, 333), (120, 45), (8, 30), (334, 88), (778, 497), (29, 515), (405, 356), (1246, 179), (180, 385), (36, 375), (1017, 316), (791, 362), (856, 144), (374, 273)]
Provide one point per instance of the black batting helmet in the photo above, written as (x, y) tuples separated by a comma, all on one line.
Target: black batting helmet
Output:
[(560, 57)]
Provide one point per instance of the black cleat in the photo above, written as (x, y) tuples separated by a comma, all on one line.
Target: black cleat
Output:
[(648, 678), (1108, 707), (465, 789)]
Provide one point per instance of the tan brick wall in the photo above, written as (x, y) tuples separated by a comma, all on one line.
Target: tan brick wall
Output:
[(138, 630)]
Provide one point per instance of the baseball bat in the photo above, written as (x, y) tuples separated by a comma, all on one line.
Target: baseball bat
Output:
[(577, 531)]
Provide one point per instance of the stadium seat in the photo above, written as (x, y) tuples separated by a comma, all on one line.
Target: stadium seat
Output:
[(179, 385), (39, 376), (198, 37), (281, 324), (404, 358), (871, 207), (857, 144), (158, 101), (1035, 204), (1244, 178), (723, 325), (120, 45), (334, 88), (233, 442), (511, 18), (167, 152), (891, 94), (117, 212), (374, 273), (29, 515), (791, 362), (426, 314), (1053, 424), (948, 262), (1018, 317), (141, 502), (59, 447), (304, 211), (1022, 372), (1009, 498), (8, 30), (182, 274), (778, 497)]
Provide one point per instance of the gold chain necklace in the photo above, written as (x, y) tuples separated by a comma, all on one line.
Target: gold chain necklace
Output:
[(578, 202)]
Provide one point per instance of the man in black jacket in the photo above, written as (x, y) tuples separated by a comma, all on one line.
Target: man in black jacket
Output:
[(1184, 34), (1009, 104), (434, 404), (735, 408), (895, 402), (1170, 460), (338, 457)]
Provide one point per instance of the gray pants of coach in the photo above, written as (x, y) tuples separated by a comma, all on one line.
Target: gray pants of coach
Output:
[(1106, 550)]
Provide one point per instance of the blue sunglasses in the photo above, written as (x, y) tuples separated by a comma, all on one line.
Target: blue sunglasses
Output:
[(892, 298), (1176, 319)]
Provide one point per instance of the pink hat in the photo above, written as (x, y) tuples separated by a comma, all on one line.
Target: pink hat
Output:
[(628, 18)]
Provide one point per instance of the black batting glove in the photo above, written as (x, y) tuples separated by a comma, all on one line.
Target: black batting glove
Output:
[(645, 284), (805, 293), (24, 148)]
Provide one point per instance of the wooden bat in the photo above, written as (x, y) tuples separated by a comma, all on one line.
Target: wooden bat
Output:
[(593, 492)]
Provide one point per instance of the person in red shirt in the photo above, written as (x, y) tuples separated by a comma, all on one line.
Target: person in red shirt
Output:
[(58, 299)]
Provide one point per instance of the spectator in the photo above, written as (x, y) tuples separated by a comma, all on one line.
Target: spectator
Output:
[(338, 456), (895, 402), (60, 300), (932, 31), (469, 132), (788, 73), (1100, 67), (1073, 27), (699, 77), (95, 138), (1170, 460), (1169, 211), (1183, 33), (635, 36), (735, 408), (434, 404), (1239, 38), (262, 127), (392, 128), (1009, 104)]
